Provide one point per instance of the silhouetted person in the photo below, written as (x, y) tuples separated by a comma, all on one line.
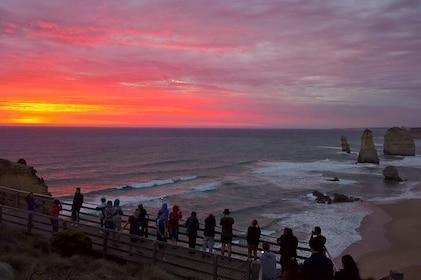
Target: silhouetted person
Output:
[(226, 223), (288, 248), (209, 233), (318, 266), (144, 220), (77, 204), (317, 233), (192, 226), (253, 238), (54, 212), (350, 270)]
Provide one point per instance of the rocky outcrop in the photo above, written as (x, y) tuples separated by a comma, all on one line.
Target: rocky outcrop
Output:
[(390, 173), (398, 141), (345, 145), (337, 198), (19, 176), (368, 152)]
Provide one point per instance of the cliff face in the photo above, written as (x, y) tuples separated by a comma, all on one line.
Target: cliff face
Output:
[(398, 141), (19, 176), (368, 152)]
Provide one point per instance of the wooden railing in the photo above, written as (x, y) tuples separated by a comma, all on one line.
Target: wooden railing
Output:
[(182, 260)]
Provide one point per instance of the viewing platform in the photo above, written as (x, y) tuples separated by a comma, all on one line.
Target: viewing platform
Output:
[(176, 259)]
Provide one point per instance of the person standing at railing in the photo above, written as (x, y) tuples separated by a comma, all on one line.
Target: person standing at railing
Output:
[(288, 243), (173, 223), (317, 233), (77, 204), (30, 202), (253, 239), (101, 208), (226, 223), (54, 212), (161, 232), (209, 233), (117, 220), (192, 226), (109, 216), (134, 221), (144, 220), (30, 205)]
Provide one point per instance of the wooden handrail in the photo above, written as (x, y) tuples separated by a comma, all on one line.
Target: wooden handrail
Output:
[(89, 215)]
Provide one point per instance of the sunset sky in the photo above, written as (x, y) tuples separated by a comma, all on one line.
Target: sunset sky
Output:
[(219, 63)]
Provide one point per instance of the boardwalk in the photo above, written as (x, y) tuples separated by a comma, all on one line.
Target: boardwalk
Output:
[(179, 260)]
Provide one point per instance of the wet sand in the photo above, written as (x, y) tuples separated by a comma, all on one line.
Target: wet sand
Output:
[(390, 240)]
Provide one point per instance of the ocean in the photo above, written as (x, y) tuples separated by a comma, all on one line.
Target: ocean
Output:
[(263, 174)]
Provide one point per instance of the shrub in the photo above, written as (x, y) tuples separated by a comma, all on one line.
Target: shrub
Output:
[(69, 242)]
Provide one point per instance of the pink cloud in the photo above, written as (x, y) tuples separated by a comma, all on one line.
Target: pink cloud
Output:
[(262, 63)]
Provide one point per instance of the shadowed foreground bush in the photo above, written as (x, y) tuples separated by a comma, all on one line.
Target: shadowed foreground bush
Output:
[(69, 242), (32, 257)]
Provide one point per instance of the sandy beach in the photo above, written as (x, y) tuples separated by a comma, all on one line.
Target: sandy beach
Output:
[(390, 240)]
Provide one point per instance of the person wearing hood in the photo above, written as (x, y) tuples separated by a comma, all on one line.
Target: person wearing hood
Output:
[(173, 223), (164, 210)]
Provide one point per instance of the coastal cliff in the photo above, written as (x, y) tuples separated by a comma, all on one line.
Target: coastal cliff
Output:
[(19, 176)]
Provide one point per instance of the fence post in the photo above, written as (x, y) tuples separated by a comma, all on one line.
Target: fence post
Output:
[(30, 217), (17, 203), (215, 267), (105, 246), (255, 270), (154, 252)]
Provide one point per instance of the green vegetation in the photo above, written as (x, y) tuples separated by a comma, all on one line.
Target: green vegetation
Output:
[(69, 242), (32, 257)]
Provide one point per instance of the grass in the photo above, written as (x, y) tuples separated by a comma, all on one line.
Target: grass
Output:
[(31, 257)]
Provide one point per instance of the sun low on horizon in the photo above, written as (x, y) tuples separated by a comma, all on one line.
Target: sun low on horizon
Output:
[(272, 64)]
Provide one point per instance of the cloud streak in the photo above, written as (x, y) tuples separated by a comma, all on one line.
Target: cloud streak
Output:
[(319, 63)]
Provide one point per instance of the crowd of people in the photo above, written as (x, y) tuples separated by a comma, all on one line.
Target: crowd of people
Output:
[(317, 267)]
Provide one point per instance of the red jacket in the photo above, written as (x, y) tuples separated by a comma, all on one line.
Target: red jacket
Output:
[(55, 209), (174, 218)]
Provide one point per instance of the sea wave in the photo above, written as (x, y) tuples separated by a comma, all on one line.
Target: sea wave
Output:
[(205, 188), (156, 183)]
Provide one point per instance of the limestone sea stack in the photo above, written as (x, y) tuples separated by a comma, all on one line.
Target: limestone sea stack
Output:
[(368, 152), (345, 145), (19, 176), (398, 141), (390, 173)]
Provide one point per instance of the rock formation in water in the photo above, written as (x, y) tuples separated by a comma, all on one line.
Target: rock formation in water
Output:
[(368, 152), (398, 141), (390, 173), (19, 176), (337, 198), (345, 145)]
